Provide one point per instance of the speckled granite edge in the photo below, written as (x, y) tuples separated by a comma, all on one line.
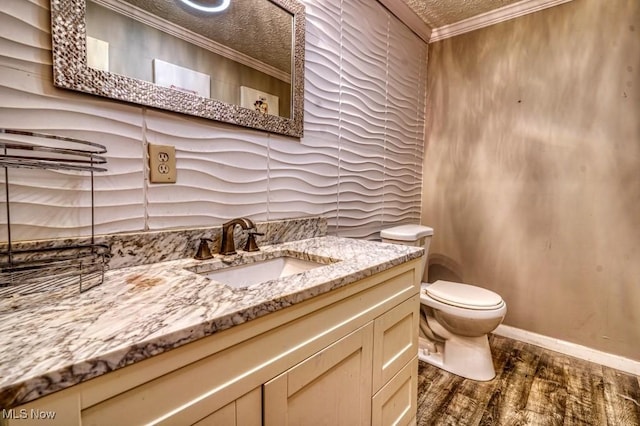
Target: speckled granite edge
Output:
[(142, 248), (143, 311)]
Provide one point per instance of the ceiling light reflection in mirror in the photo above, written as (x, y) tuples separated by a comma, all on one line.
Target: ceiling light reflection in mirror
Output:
[(209, 9)]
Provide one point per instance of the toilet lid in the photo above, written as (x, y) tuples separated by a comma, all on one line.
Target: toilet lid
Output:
[(464, 295), (406, 232)]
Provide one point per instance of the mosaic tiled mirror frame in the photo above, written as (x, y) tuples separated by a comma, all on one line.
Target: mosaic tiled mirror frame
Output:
[(70, 71)]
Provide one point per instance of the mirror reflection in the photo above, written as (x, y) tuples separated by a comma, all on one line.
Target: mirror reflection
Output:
[(241, 55), (159, 53)]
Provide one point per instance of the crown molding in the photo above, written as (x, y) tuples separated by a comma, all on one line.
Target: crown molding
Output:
[(493, 17), (407, 16)]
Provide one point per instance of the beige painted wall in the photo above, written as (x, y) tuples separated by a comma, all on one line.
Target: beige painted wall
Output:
[(532, 169)]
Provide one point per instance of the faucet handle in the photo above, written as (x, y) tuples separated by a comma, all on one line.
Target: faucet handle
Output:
[(203, 252), (251, 241)]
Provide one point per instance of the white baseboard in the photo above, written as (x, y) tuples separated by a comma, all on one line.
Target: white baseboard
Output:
[(492, 17), (578, 351)]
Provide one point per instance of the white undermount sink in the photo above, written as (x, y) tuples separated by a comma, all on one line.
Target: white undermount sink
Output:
[(249, 274)]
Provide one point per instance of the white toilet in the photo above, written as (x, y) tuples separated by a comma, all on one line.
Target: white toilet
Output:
[(456, 318)]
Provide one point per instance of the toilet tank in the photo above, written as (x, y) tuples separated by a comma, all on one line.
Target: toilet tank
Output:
[(410, 235)]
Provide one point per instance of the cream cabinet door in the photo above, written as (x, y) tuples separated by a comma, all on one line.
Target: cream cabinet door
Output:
[(244, 411), (332, 387)]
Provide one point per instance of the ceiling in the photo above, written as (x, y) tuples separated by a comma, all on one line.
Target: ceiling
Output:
[(435, 20), (438, 13)]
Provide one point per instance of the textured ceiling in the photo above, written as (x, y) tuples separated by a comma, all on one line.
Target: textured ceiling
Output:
[(437, 13)]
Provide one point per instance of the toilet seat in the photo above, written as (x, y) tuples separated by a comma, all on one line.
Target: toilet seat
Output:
[(464, 295)]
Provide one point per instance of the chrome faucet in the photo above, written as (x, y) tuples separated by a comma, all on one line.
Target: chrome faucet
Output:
[(227, 245)]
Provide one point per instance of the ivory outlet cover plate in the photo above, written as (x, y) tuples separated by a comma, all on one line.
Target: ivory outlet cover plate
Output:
[(162, 164)]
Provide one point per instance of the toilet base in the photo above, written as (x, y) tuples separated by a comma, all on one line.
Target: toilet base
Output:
[(468, 357)]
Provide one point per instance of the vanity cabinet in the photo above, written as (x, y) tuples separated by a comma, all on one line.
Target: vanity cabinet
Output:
[(348, 356)]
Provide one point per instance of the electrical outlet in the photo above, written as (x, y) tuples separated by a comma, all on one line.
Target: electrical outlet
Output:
[(162, 164)]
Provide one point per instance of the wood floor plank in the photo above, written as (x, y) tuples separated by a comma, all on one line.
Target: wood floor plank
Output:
[(462, 410), (548, 393), (622, 397), (511, 396), (466, 404), (585, 394), (533, 386), (439, 388), (471, 399)]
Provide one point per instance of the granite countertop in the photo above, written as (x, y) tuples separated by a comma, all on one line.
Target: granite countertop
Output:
[(55, 340)]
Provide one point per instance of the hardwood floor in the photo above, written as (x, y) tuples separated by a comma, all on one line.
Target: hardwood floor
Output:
[(533, 386)]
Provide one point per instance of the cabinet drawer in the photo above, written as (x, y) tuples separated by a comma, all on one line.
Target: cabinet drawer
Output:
[(395, 340), (397, 402)]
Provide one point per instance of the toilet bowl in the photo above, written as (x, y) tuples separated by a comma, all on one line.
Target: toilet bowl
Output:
[(455, 317)]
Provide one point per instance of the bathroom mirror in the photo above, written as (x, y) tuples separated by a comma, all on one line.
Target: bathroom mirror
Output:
[(242, 65)]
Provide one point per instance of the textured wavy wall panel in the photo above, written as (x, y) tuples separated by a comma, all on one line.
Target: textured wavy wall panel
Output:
[(25, 32), (322, 103), (222, 174), (362, 117), (405, 125), (311, 190), (49, 204), (359, 163)]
